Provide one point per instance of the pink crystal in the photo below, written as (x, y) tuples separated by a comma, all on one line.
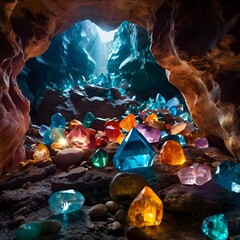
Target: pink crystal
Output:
[(151, 134), (197, 174), (79, 137), (201, 142)]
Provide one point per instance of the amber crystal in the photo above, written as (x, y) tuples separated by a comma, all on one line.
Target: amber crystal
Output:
[(172, 153), (151, 117), (146, 209), (41, 152), (128, 122)]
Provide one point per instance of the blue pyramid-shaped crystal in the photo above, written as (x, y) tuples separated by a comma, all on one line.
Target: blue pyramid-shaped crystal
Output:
[(134, 152)]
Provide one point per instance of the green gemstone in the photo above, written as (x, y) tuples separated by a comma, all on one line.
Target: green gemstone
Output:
[(100, 158), (29, 231), (88, 119)]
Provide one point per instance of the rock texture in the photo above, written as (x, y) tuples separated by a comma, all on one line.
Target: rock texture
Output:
[(198, 43)]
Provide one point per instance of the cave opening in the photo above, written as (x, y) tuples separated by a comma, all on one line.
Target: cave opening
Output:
[(108, 64)]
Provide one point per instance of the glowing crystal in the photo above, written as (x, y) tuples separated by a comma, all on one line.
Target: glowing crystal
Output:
[(41, 152), (78, 137), (172, 153), (215, 227), (66, 201), (134, 152), (228, 176), (100, 158), (146, 209), (58, 121), (197, 174), (112, 130), (128, 122), (57, 133)]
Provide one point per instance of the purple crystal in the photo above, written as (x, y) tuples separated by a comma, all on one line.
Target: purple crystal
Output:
[(197, 174), (201, 142), (151, 134)]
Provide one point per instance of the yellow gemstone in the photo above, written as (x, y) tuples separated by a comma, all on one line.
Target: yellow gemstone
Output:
[(41, 152), (120, 138), (172, 153), (128, 122), (146, 209), (62, 143), (151, 118)]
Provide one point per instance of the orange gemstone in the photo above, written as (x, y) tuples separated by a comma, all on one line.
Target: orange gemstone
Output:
[(41, 152), (113, 122), (128, 122), (151, 117), (120, 138), (172, 153), (146, 209)]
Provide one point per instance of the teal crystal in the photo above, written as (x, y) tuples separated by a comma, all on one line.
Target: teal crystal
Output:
[(228, 176), (134, 152), (43, 128), (29, 231), (160, 101), (178, 138), (88, 119), (66, 201), (100, 158), (215, 227), (58, 121), (47, 137)]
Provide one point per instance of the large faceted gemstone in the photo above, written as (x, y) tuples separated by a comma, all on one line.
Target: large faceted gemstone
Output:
[(66, 201), (228, 176), (134, 152), (146, 209), (215, 227)]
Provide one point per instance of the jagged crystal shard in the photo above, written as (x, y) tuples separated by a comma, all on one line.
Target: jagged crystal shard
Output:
[(134, 152), (215, 227), (227, 176), (66, 201)]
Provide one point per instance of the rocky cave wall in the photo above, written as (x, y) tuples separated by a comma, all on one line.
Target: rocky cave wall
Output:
[(196, 41)]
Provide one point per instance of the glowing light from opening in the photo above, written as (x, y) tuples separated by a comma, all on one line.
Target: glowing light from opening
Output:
[(106, 36)]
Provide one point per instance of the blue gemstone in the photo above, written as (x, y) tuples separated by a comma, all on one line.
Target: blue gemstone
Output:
[(88, 119), (228, 176), (173, 111), (66, 201), (58, 121), (47, 138), (43, 129), (178, 138), (160, 100), (215, 227), (134, 152), (172, 102)]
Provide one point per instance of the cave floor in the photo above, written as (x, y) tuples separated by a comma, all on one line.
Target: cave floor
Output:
[(24, 197)]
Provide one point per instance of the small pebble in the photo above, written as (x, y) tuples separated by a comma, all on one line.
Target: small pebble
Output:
[(116, 226), (98, 211), (135, 233), (120, 216), (112, 206)]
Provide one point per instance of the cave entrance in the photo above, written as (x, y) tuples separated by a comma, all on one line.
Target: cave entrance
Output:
[(88, 61)]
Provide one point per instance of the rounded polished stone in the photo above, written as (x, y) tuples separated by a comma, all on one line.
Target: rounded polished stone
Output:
[(112, 206), (66, 201), (135, 233), (125, 187), (50, 226), (98, 211)]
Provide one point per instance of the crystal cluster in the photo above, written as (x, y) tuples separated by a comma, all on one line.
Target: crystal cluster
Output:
[(197, 174), (215, 227), (146, 209), (66, 201)]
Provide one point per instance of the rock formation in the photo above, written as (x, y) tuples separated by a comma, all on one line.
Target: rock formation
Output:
[(196, 41)]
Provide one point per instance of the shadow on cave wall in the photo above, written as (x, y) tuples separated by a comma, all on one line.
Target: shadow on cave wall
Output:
[(78, 57)]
